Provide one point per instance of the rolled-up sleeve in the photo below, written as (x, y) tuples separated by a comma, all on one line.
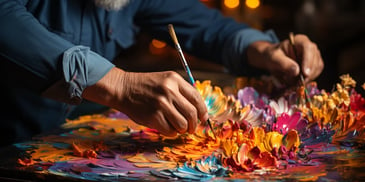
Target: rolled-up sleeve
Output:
[(63, 69), (81, 67)]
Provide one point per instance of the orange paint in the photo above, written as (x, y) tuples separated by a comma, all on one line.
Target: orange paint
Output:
[(25, 162)]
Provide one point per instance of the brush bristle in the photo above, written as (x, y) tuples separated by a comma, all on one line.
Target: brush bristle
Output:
[(172, 34)]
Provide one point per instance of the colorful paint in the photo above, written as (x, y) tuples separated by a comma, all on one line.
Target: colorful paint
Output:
[(291, 137)]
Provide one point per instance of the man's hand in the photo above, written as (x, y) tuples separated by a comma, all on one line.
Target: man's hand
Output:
[(279, 59), (159, 100)]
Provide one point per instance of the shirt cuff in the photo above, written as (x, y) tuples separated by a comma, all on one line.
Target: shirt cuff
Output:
[(81, 68), (234, 50)]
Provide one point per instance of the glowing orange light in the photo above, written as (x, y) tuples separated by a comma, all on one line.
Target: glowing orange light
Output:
[(158, 44), (157, 47), (231, 3), (252, 3)]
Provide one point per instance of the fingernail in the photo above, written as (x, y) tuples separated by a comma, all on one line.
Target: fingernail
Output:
[(307, 71), (206, 116)]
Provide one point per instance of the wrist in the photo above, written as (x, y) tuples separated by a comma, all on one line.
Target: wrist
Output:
[(107, 90)]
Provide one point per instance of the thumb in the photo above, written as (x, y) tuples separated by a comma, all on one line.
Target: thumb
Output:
[(292, 69)]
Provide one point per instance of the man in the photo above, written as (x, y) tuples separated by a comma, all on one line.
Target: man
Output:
[(56, 53)]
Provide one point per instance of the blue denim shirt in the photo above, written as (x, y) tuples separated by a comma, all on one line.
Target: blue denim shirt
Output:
[(59, 47)]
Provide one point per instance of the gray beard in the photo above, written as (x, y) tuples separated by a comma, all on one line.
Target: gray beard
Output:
[(111, 5)]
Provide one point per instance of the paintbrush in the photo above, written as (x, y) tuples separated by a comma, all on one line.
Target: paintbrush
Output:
[(185, 65), (292, 43)]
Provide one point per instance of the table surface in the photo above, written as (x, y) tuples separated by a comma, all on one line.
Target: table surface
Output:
[(334, 164), (337, 167), (54, 158)]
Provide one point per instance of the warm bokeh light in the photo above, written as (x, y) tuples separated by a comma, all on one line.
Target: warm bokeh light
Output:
[(252, 3), (231, 3), (158, 44), (156, 47)]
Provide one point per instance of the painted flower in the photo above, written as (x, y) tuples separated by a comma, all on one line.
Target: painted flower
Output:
[(252, 115), (214, 98), (249, 158), (357, 102), (281, 106), (202, 170), (229, 147), (247, 96), (291, 140), (347, 81), (312, 89), (284, 122)]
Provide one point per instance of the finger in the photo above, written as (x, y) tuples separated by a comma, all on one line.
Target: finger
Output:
[(320, 62), (172, 115), (317, 68), (308, 51), (310, 75), (312, 66), (285, 65), (189, 112), (193, 96), (310, 59), (160, 123)]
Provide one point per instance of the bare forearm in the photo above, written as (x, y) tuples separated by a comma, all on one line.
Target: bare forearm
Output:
[(107, 90)]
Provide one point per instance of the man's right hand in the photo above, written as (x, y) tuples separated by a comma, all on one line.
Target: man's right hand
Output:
[(158, 100)]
